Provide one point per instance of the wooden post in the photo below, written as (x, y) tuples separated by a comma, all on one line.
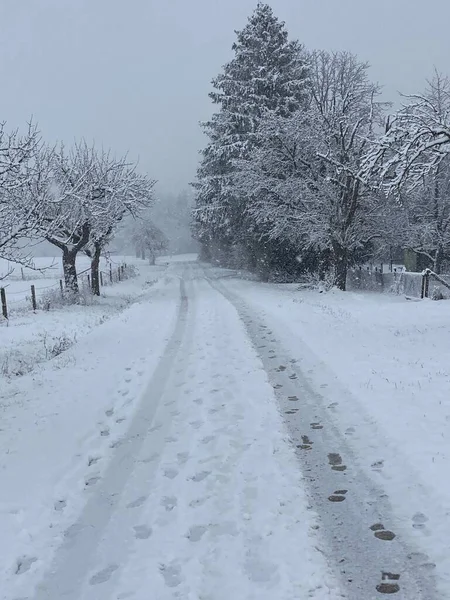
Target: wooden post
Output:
[(101, 278), (33, 297), (118, 273), (4, 305), (427, 282), (110, 274), (122, 270), (23, 274), (89, 281), (61, 287)]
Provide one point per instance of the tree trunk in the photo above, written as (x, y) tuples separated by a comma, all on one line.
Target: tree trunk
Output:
[(340, 266), (95, 274), (70, 270), (438, 260), (152, 259), (143, 254)]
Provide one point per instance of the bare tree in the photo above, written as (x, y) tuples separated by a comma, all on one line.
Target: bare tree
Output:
[(427, 207), (148, 237), (67, 219), (20, 214), (417, 139), (118, 190)]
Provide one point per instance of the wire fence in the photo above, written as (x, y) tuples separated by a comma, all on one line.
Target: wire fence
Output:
[(414, 285), (36, 297)]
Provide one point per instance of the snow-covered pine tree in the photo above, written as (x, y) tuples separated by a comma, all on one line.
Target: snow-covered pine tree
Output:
[(268, 74)]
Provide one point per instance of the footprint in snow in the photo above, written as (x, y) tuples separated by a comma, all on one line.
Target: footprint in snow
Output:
[(378, 466), (60, 505), (169, 502), (92, 481), (200, 476), (119, 442), (172, 574), (103, 575), (24, 564), (182, 458), (419, 520), (170, 473), (138, 502), (338, 496), (142, 532), (207, 439), (109, 412), (150, 458), (196, 533), (104, 432)]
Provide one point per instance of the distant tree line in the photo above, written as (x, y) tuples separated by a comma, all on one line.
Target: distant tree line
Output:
[(305, 171)]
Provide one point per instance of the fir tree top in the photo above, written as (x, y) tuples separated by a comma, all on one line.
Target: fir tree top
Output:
[(268, 72)]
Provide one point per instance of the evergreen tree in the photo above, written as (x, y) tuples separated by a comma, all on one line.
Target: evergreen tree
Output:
[(267, 75)]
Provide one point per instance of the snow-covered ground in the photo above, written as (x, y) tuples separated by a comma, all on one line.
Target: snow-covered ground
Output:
[(381, 363), (217, 438), (151, 458), (30, 338)]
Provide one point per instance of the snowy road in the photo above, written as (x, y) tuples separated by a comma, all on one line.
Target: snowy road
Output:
[(204, 496)]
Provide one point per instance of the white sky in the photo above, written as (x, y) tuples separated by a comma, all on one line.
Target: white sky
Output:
[(135, 74)]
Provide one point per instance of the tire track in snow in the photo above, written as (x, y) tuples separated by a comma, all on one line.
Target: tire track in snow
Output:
[(355, 514), (74, 558)]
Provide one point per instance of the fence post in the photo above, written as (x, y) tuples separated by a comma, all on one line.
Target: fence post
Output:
[(61, 288), (427, 282), (89, 281), (4, 305), (33, 297), (110, 274), (101, 278), (122, 269), (23, 274), (118, 273)]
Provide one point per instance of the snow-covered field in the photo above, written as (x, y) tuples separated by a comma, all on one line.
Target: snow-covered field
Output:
[(47, 276), (30, 338), (159, 453)]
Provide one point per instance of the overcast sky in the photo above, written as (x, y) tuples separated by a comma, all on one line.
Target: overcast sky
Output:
[(134, 74)]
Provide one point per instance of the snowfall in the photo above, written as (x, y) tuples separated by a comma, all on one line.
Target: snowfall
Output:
[(194, 434)]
